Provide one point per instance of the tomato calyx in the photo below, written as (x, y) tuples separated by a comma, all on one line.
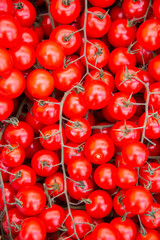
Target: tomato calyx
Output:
[(67, 2), (14, 121), (47, 136), (18, 202), (151, 213), (54, 187), (18, 5), (9, 147)]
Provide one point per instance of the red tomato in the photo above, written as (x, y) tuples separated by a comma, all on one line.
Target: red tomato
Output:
[(5, 175), (29, 36), (156, 8), (151, 219), (72, 150), (6, 107), (102, 3), (46, 25), (33, 122), (142, 55), (55, 184), (126, 177), (9, 195), (104, 231), (38, 31), (151, 235), (116, 13), (6, 61), (154, 98), (6, 7)]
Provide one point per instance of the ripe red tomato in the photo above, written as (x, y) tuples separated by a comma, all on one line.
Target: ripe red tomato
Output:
[(9, 194), (50, 54), (46, 25), (154, 98), (29, 36), (99, 148), (104, 231), (72, 150), (102, 3), (142, 55), (65, 12), (55, 184), (6, 61), (154, 68), (30, 200), (6, 7), (151, 219), (116, 13), (6, 107), (99, 205), (34, 123), (26, 14), (5, 175), (156, 8), (151, 234), (32, 228), (126, 177)]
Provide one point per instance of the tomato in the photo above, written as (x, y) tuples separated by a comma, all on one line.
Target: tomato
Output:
[(135, 154), (77, 192), (32, 228), (96, 94), (9, 31), (154, 149), (152, 128), (120, 57), (119, 161), (29, 36), (103, 76), (154, 98), (135, 9), (79, 169), (116, 13), (21, 133), (15, 218), (26, 14), (127, 229), (50, 137), (105, 176), (147, 79), (82, 218), (104, 231), (30, 200), (121, 106), (50, 54), (43, 163), (151, 235), (6, 107), (126, 177), (23, 56), (148, 35), (121, 34), (6, 61), (98, 22), (33, 122), (156, 8), (38, 31), (99, 148), (12, 84), (102, 3), (9, 194), (97, 54), (154, 68), (99, 205), (46, 25), (71, 151), (149, 176), (66, 77), (26, 176), (52, 217), (151, 219), (142, 55), (65, 36), (65, 12), (76, 61), (5, 175), (138, 200), (6, 7)]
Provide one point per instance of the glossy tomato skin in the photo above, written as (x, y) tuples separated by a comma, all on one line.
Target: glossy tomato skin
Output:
[(154, 149), (126, 177), (149, 221), (5, 175), (139, 52), (116, 13), (65, 13), (65, 36), (6, 107), (148, 35), (43, 163), (98, 23), (50, 54), (151, 234), (120, 57), (10, 31), (26, 15), (102, 3), (6, 7), (9, 194), (127, 230), (100, 205), (154, 68), (27, 177), (32, 228), (156, 8), (12, 84), (120, 34), (105, 176), (55, 184), (46, 25), (34, 123), (105, 231), (31, 206), (99, 149), (23, 56), (29, 36), (138, 200), (22, 134), (72, 151), (6, 60), (52, 217)]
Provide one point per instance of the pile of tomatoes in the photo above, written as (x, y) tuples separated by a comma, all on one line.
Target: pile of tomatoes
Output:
[(80, 119)]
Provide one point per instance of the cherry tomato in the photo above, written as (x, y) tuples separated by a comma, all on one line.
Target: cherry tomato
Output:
[(142, 55), (102, 3), (116, 13), (29, 36), (151, 234), (6, 107), (104, 231), (154, 68), (126, 177), (6, 61), (151, 219), (156, 8), (34, 123), (6, 7), (9, 194)]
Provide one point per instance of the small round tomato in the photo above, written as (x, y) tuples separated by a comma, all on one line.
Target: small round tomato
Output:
[(120, 57), (126, 177), (154, 147), (151, 219), (135, 154), (6, 7), (121, 34), (154, 99), (156, 8), (142, 55), (148, 35), (102, 3), (116, 13), (105, 176), (65, 12), (23, 56), (38, 31), (55, 184), (104, 231), (53, 217), (9, 194), (77, 62), (97, 54), (30, 200), (151, 235), (25, 176), (72, 150), (6, 107), (29, 36), (20, 133), (46, 25), (99, 148), (98, 22), (154, 68), (5, 175), (99, 204), (138, 200), (32, 228), (43, 163), (6, 61), (50, 54), (24, 12), (65, 36)]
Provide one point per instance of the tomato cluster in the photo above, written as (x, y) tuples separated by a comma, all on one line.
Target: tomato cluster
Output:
[(80, 119)]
